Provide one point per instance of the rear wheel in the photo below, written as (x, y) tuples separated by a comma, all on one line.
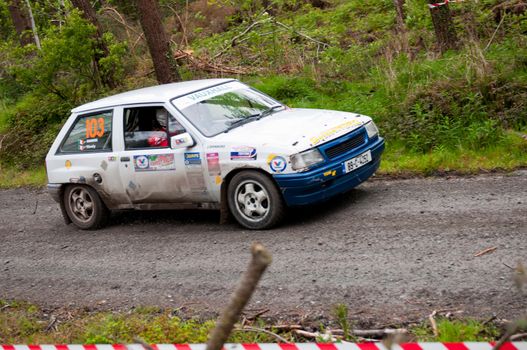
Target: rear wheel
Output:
[(84, 207), (255, 201)]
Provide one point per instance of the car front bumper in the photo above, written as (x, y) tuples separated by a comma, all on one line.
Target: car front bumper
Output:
[(329, 180)]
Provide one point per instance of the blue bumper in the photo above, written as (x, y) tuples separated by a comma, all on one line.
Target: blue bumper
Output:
[(329, 179)]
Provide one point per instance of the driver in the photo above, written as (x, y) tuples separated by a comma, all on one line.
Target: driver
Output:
[(158, 137)]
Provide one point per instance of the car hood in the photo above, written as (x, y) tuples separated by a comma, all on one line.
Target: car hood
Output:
[(296, 129)]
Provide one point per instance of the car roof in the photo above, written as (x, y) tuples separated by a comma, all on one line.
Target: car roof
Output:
[(153, 94)]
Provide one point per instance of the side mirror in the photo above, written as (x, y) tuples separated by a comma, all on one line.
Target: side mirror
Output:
[(181, 141)]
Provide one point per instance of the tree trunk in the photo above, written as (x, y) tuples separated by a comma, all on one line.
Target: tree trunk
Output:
[(400, 15), (20, 21), (164, 63), (443, 26), (33, 25), (88, 12)]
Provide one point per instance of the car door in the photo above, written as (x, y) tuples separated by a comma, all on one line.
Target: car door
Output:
[(151, 171)]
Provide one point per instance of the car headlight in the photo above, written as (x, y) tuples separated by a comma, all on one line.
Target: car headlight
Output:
[(371, 129), (306, 159)]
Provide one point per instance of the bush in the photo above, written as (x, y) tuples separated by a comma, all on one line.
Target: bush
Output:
[(32, 126)]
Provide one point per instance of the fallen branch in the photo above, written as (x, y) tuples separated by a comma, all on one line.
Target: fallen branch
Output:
[(285, 328), (51, 324), (233, 40), (302, 34), (6, 306), (433, 323), (315, 335), (510, 267), (260, 330), (489, 320), (495, 32), (256, 315), (205, 65), (516, 337), (372, 332), (486, 251)]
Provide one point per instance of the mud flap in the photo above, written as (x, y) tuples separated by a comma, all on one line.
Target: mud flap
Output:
[(225, 214), (65, 216)]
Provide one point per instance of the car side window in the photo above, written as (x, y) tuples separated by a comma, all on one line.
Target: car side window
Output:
[(149, 127), (90, 133)]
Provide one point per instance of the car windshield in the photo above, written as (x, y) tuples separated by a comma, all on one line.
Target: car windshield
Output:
[(222, 108)]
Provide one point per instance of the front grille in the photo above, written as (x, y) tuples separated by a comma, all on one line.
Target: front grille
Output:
[(345, 146)]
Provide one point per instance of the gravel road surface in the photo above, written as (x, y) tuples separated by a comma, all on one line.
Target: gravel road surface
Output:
[(391, 250)]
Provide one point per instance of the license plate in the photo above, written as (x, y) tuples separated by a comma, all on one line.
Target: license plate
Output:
[(357, 162)]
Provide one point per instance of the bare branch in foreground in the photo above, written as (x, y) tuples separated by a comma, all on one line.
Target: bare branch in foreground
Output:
[(261, 259)]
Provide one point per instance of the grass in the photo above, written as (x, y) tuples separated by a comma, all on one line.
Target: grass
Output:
[(12, 178), (457, 331), (3, 115), (25, 323), (506, 156)]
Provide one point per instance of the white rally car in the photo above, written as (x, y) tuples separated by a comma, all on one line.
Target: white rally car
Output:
[(210, 144)]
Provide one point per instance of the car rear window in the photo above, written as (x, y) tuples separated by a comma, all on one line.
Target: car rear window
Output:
[(90, 133)]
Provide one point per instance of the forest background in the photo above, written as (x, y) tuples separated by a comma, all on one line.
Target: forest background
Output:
[(445, 81)]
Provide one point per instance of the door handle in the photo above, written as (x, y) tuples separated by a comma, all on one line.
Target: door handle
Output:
[(125, 159)]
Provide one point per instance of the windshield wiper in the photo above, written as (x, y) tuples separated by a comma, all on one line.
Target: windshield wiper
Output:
[(251, 118), (241, 122), (267, 112)]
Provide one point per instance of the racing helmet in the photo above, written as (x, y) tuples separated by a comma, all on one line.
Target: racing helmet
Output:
[(162, 117)]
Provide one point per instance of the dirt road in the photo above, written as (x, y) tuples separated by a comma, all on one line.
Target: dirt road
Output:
[(391, 250)]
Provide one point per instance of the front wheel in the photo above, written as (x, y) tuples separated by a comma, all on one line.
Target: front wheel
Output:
[(84, 207), (255, 201)]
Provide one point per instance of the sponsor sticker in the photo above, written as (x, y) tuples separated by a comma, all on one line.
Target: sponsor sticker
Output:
[(112, 158), (190, 99), (180, 141), (243, 153), (85, 141), (213, 163), (87, 147), (278, 164), (333, 131), (192, 158), (68, 164), (154, 162)]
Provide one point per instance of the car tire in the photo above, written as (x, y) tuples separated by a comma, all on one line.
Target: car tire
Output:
[(85, 208), (254, 200)]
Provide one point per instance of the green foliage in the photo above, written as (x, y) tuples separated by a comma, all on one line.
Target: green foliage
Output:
[(345, 55), (6, 31), (341, 315), (64, 65), (23, 323), (33, 125), (457, 331), (113, 65)]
